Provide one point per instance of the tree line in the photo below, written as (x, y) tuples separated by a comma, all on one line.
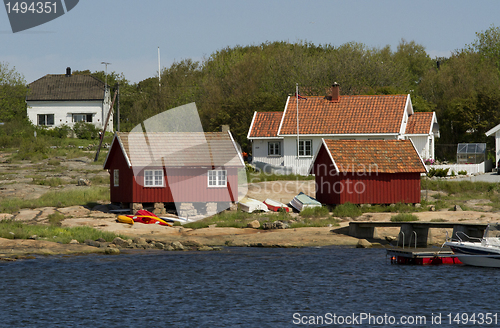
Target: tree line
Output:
[(232, 83)]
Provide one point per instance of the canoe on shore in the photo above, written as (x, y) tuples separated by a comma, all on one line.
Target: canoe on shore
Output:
[(302, 201), (275, 206)]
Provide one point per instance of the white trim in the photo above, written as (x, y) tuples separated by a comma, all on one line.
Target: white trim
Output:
[(421, 160), (283, 117), (344, 135), (236, 149), (217, 185), (493, 130), (265, 138), (323, 143), (154, 185), (121, 147), (251, 125)]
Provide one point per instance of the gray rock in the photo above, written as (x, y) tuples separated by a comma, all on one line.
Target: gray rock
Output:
[(205, 248), (112, 251), (168, 248), (92, 243), (121, 242), (159, 245), (363, 243), (457, 208), (84, 182), (35, 237), (178, 246), (255, 224), (74, 241)]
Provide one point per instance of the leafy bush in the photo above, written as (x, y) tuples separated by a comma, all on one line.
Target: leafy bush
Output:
[(404, 217), (85, 130), (433, 172), (463, 172)]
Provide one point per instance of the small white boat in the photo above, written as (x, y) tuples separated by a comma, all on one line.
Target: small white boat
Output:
[(485, 252), (302, 201), (251, 205), (275, 206)]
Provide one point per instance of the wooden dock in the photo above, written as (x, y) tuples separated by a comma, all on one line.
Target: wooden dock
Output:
[(422, 256)]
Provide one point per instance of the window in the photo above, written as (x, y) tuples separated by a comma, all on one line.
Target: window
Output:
[(153, 178), (45, 119), (116, 178), (273, 148), (82, 118), (305, 147), (217, 178)]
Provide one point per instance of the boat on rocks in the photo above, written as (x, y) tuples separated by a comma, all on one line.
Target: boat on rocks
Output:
[(276, 206), (484, 252), (251, 205), (302, 201)]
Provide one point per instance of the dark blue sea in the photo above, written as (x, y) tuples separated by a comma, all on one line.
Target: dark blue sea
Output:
[(245, 287)]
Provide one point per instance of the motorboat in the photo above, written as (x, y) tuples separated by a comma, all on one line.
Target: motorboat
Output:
[(276, 206), (482, 252)]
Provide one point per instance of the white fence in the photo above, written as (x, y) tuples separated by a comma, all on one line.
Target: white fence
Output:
[(469, 168)]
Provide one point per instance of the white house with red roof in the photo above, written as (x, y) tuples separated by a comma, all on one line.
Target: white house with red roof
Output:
[(281, 142)]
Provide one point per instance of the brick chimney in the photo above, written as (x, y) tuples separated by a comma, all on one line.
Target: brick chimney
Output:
[(68, 71), (335, 92)]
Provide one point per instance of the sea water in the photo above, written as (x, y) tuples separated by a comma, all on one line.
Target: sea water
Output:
[(245, 287)]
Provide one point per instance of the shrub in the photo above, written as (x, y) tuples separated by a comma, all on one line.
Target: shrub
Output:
[(347, 210), (314, 212), (463, 172), (85, 130), (433, 172), (55, 219), (404, 217)]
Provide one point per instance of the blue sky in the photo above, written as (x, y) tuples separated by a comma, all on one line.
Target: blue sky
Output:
[(127, 33)]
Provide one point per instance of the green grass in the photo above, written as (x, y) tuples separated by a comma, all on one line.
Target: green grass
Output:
[(16, 230), (314, 212), (80, 196), (404, 217), (316, 222), (56, 218), (347, 210), (236, 219), (51, 182)]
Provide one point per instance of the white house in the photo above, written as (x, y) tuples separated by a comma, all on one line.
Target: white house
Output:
[(64, 99), (276, 143), (495, 131)]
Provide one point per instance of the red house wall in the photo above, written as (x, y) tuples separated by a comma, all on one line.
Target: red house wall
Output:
[(181, 184), (364, 187)]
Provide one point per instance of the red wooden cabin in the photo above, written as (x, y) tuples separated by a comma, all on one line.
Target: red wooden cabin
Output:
[(367, 172), (173, 167)]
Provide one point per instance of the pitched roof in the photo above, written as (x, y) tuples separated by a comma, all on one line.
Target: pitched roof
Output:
[(179, 149), (350, 115), (419, 123), (62, 87), (378, 156), (265, 124)]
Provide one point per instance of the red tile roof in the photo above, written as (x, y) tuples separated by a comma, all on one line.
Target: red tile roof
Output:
[(265, 124), (180, 149), (351, 115), (382, 156), (62, 87), (419, 123)]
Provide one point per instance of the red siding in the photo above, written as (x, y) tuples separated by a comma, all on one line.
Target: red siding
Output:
[(116, 160), (363, 188)]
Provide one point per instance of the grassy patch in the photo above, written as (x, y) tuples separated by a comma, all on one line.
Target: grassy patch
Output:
[(97, 180), (347, 210), (314, 212), (316, 222), (51, 182), (16, 230), (54, 162), (66, 198), (224, 219), (438, 220), (56, 218), (404, 217)]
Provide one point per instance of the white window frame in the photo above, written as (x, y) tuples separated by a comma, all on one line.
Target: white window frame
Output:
[(84, 117), (45, 119), (217, 178), (304, 143), (274, 148), (153, 178), (116, 178)]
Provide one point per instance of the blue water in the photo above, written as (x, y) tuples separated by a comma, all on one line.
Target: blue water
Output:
[(239, 287)]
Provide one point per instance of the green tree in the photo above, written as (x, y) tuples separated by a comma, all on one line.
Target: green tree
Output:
[(12, 94)]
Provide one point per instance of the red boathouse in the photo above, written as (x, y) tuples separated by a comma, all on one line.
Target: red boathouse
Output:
[(367, 172), (173, 167)]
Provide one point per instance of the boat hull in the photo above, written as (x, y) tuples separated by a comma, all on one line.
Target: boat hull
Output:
[(275, 206), (475, 254)]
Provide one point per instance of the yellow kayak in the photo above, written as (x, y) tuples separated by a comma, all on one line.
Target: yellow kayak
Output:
[(125, 219)]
